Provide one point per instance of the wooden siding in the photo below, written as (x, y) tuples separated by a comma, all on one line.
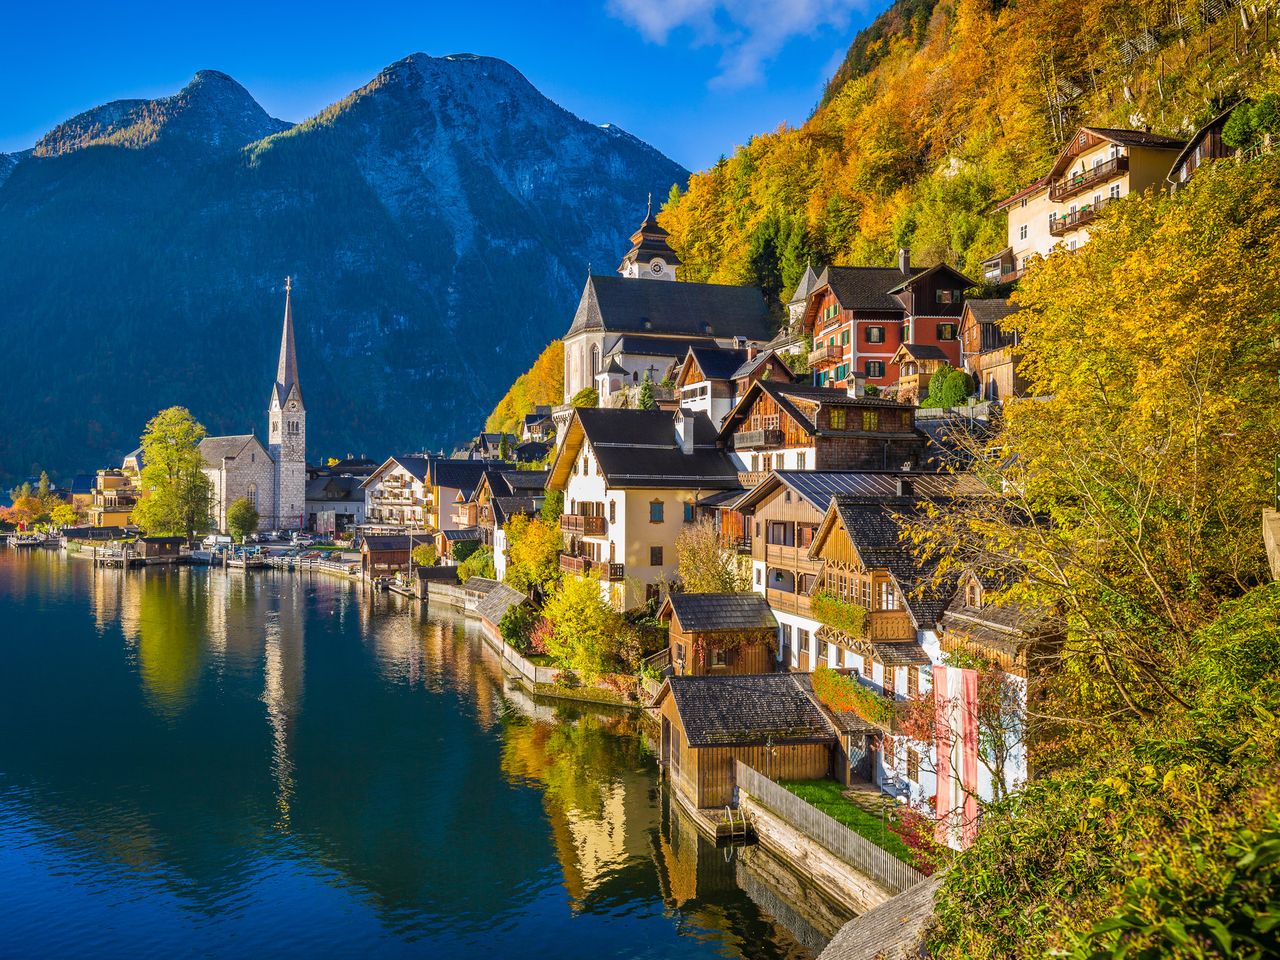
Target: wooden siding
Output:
[(752, 657)]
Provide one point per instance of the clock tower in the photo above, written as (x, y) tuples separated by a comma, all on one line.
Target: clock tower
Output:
[(287, 428), (650, 256)]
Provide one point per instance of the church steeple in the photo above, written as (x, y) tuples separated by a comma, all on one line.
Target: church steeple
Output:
[(650, 255), (287, 369)]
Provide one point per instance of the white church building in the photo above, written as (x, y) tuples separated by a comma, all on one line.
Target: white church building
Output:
[(272, 475)]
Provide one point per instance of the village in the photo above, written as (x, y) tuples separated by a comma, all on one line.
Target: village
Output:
[(714, 528)]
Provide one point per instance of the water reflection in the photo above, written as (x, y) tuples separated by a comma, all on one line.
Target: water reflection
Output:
[(265, 762)]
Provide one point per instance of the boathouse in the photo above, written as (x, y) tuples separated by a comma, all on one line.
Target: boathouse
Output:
[(770, 722), (384, 555), (160, 549), (720, 633)]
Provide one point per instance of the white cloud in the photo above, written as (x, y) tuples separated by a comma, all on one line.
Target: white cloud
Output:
[(750, 33)]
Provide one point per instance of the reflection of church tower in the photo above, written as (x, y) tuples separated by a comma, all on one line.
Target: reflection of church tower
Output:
[(287, 433), (650, 255)]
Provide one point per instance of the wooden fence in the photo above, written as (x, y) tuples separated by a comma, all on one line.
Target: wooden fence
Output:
[(853, 848)]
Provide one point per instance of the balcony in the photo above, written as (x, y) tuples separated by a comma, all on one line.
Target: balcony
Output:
[(781, 600), (825, 354), (586, 567), (742, 545), (890, 625), (1077, 218), (757, 439), (752, 478), (577, 525), (1071, 186)]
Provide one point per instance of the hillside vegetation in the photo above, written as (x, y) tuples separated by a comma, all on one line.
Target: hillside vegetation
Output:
[(943, 108), (540, 385)]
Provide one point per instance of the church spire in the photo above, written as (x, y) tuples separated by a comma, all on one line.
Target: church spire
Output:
[(287, 369)]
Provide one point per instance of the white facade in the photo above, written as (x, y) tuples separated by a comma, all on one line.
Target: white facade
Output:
[(395, 496)]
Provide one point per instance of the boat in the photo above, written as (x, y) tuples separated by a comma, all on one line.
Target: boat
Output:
[(28, 540)]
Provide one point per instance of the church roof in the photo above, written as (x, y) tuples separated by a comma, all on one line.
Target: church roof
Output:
[(216, 449), (287, 368), (805, 287), (671, 308), (649, 242)]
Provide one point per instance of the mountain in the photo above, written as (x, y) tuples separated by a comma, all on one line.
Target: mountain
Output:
[(439, 222), (939, 111)]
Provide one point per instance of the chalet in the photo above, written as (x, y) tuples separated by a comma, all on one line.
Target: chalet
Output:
[(488, 446), (449, 542), (385, 554), (860, 316), (771, 722), (451, 482), (1097, 165), (631, 480), (532, 451), (981, 735), (720, 633), (792, 426), (646, 303), (916, 364), (989, 351), (537, 425), (398, 494), (711, 379)]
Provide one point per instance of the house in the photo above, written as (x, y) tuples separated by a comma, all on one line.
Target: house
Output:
[(1096, 166), (335, 503), (916, 364), (532, 451), (116, 492), (537, 425), (382, 555), (794, 426), (720, 633), (1204, 147), (989, 351), (645, 317), (771, 722), (398, 494), (711, 379), (450, 483), (860, 316), (160, 549), (631, 480), (446, 541), (991, 652), (500, 495), (489, 446), (497, 601)]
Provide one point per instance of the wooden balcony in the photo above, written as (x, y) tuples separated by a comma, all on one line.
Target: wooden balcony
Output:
[(752, 478), (757, 439), (1071, 186), (577, 525), (797, 603), (1078, 218), (586, 567), (825, 354), (890, 625)]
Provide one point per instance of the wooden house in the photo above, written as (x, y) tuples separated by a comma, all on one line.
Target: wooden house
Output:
[(990, 352), (917, 363), (720, 633), (771, 722), (385, 554), (159, 549), (1204, 147), (711, 379)]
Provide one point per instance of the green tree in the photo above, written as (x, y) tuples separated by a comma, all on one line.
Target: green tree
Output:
[(242, 518), (42, 490), (645, 401), (586, 397), (585, 631), (424, 555), (176, 491), (479, 564), (552, 506), (63, 515), (463, 549)]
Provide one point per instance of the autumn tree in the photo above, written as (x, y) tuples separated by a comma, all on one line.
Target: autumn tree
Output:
[(176, 490), (424, 554), (586, 632), (542, 385), (63, 515), (534, 548), (704, 565), (242, 518)]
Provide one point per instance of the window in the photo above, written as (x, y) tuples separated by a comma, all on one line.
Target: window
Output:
[(655, 511), (1024, 202), (1022, 230), (844, 338), (777, 461), (802, 640), (822, 651), (837, 419), (870, 420), (913, 681), (688, 513), (719, 658), (800, 461), (946, 331), (679, 653), (1071, 244), (757, 576), (865, 592), (1115, 191), (875, 334), (613, 511), (888, 597), (655, 556), (948, 296), (913, 765), (874, 369)]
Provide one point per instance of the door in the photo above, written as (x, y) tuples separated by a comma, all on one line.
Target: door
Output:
[(859, 757), (664, 743)]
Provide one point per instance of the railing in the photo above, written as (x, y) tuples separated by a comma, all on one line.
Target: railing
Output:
[(890, 625), (788, 602), (824, 353), (1089, 179), (742, 545), (853, 848), (754, 439), (578, 525), (585, 566), (751, 478), (1077, 218)]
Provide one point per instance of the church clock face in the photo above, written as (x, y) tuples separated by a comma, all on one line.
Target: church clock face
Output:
[(293, 405), (657, 266)]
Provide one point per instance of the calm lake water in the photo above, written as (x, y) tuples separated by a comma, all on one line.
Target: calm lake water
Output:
[(208, 763)]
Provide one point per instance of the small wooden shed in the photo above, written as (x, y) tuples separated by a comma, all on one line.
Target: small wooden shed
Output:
[(160, 548), (771, 722), (383, 555), (720, 633)]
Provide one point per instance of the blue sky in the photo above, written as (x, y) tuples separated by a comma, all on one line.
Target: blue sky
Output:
[(692, 77)]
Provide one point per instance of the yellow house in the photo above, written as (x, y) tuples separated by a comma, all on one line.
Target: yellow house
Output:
[(631, 480), (1096, 166), (116, 492)]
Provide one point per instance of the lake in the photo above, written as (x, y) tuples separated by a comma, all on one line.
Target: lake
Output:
[(216, 763)]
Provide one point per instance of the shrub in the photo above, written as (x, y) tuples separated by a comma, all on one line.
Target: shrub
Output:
[(586, 397), (516, 625), (479, 564), (464, 549), (851, 618), (424, 555), (847, 695)]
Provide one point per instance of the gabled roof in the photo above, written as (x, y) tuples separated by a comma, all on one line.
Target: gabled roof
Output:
[(497, 600), (642, 346), (817, 487), (936, 268), (461, 474), (1125, 138), (514, 481), (771, 708), (1039, 185), (808, 281), (626, 305), (506, 507), (335, 489), (716, 363), (919, 352), (1198, 136), (719, 612), (531, 451), (800, 401), (216, 449), (638, 448), (990, 311), (461, 536), (380, 543), (866, 288), (417, 466), (749, 367)]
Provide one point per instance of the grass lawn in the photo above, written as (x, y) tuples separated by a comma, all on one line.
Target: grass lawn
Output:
[(826, 796)]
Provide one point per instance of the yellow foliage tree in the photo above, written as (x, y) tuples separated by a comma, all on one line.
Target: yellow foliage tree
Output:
[(541, 385)]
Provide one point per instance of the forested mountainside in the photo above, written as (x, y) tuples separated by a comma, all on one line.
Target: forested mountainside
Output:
[(438, 223), (944, 107)]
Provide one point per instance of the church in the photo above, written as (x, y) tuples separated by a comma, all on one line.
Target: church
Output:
[(272, 475)]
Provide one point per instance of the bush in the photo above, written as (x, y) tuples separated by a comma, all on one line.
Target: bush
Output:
[(850, 618), (586, 397), (516, 626), (587, 635), (424, 555), (479, 564), (464, 549)]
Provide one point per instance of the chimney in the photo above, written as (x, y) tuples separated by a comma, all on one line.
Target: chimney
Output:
[(684, 431), (904, 261), (753, 351), (904, 487)]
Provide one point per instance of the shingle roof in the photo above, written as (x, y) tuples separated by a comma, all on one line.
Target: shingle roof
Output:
[(819, 486), (622, 304), (637, 346), (1137, 138), (462, 474), (216, 449), (923, 351), (504, 507), (336, 489), (718, 363), (894, 930), (495, 603), (990, 311), (721, 612), (808, 281), (866, 288), (638, 448), (742, 710), (384, 542), (514, 481)]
